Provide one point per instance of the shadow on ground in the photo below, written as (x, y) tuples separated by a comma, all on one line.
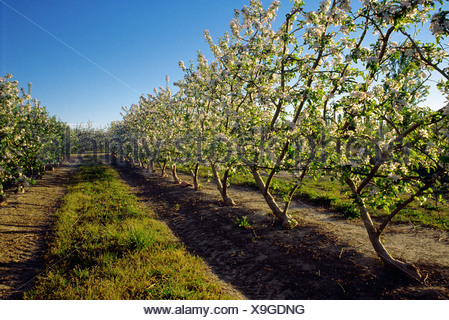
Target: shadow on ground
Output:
[(267, 262)]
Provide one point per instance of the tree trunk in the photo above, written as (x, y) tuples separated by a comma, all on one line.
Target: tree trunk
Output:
[(221, 186), (406, 269), (150, 166), (41, 172), (374, 235), (280, 214), (194, 173), (163, 168), (20, 188), (175, 175)]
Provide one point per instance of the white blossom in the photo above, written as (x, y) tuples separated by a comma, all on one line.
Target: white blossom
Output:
[(394, 177), (373, 191)]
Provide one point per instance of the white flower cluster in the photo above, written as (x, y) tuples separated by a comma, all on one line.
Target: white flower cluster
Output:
[(358, 95), (439, 25), (394, 177)]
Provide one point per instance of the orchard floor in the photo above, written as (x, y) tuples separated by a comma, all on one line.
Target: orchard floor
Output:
[(25, 223), (323, 258)]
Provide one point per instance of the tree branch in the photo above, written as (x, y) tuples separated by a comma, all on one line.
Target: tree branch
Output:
[(403, 204)]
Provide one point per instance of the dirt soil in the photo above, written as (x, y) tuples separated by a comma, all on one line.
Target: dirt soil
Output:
[(25, 222), (324, 257)]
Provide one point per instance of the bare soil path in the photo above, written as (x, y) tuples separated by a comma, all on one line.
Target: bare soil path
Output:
[(25, 222), (323, 258)]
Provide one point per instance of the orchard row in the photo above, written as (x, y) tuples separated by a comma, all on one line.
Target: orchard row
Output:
[(30, 139), (339, 89)]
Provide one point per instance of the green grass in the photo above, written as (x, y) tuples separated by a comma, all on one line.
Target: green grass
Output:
[(105, 245), (331, 194)]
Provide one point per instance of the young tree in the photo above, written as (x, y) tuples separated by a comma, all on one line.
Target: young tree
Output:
[(284, 87), (395, 148), (26, 130)]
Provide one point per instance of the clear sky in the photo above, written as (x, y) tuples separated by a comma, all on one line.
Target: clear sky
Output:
[(88, 58)]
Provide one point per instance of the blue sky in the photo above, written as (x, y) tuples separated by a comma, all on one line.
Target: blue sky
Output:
[(88, 58)]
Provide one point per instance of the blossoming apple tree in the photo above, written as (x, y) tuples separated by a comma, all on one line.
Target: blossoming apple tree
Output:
[(396, 149), (333, 90), (29, 137)]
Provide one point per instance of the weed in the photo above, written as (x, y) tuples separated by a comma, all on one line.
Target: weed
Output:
[(243, 222), (138, 239)]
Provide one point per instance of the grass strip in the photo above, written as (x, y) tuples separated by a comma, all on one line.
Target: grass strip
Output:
[(331, 194), (105, 245)]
